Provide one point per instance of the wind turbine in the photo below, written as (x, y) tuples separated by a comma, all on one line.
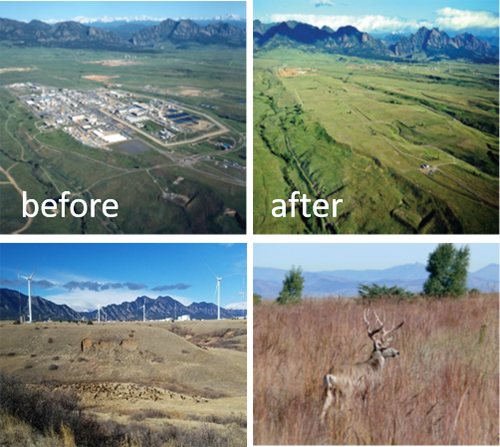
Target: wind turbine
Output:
[(29, 278), (19, 296), (242, 293), (98, 313), (144, 311), (217, 289)]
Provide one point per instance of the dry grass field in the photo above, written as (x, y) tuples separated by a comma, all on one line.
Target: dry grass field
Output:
[(442, 390), (155, 375)]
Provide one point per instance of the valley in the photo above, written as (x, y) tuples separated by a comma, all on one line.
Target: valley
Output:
[(178, 172), (411, 146)]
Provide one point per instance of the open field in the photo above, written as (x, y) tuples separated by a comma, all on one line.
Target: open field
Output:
[(103, 79), (334, 127), (45, 162), (189, 375), (442, 390)]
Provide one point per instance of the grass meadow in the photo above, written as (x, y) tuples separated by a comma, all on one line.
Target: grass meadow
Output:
[(360, 130), (46, 162), (442, 390)]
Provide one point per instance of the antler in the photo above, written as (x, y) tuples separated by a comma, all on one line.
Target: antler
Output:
[(371, 333), (385, 333)]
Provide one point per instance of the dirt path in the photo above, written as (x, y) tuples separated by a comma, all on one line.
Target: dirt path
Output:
[(30, 219)]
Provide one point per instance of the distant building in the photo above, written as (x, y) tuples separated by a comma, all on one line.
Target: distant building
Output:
[(184, 318), (77, 118)]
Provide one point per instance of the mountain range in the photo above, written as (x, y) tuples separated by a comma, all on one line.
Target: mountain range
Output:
[(163, 307), (269, 281), (348, 40), (76, 35)]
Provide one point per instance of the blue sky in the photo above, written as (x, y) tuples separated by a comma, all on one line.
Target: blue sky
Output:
[(59, 11), (385, 16), (362, 256), (85, 275)]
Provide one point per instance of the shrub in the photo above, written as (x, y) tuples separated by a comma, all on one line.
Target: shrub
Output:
[(148, 414), (375, 292), (48, 411)]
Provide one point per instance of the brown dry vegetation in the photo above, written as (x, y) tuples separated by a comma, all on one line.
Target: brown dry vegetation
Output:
[(443, 389), (97, 78), (137, 374)]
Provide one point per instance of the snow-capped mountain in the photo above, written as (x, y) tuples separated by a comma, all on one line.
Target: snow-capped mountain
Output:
[(106, 19)]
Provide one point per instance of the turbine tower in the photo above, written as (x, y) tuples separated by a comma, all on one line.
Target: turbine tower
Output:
[(29, 278), (144, 311), (98, 313), (242, 293), (217, 289)]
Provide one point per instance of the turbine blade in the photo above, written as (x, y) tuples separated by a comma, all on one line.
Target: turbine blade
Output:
[(211, 271)]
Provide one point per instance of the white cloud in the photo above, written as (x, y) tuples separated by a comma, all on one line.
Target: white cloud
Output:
[(367, 23), (319, 3), (87, 300), (457, 19), (450, 19), (240, 306)]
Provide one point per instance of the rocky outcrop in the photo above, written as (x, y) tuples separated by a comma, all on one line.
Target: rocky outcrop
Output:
[(129, 344), (86, 344)]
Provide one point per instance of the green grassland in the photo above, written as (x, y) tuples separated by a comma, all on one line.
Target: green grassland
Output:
[(46, 162), (359, 130)]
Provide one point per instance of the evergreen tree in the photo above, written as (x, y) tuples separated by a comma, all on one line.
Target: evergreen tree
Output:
[(447, 267), (293, 284), (256, 299)]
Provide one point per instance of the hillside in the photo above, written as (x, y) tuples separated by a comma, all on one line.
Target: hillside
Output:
[(137, 374), (124, 352)]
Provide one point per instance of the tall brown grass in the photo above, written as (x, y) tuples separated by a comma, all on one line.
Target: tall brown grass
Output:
[(443, 389)]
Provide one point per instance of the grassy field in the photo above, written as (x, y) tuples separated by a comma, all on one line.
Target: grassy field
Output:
[(360, 130), (189, 375), (442, 390), (46, 162)]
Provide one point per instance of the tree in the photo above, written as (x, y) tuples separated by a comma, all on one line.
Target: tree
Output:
[(447, 267), (375, 291), (293, 284), (256, 299)]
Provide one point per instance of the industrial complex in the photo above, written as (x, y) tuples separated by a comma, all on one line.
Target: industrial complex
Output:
[(102, 117)]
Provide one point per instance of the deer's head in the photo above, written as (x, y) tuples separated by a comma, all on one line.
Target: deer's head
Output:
[(381, 337)]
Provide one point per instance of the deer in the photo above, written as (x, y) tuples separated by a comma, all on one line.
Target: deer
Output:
[(347, 380)]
